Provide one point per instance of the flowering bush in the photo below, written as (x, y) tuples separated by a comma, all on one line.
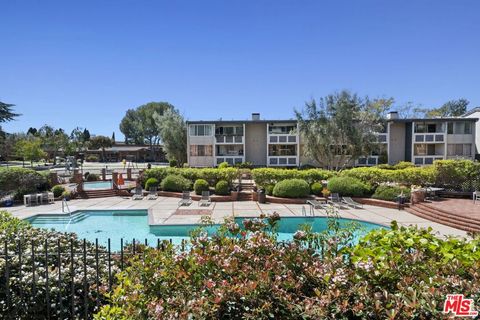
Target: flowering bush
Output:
[(243, 272), (27, 285)]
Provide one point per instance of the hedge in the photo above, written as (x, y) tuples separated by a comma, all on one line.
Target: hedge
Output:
[(408, 176), (151, 183), (176, 183), (291, 188), (221, 188), (390, 193), (348, 186), (211, 175), (22, 181), (200, 186), (266, 176)]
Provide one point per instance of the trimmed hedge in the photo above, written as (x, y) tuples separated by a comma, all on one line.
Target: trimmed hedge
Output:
[(390, 193), (221, 188), (291, 188), (269, 189), (266, 176), (223, 165), (151, 183), (211, 175), (200, 186), (348, 186), (22, 181), (408, 176), (176, 183)]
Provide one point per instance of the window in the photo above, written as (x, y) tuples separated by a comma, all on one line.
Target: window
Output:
[(229, 150), (229, 130), (459, 149), (459, 127), (422, 127), (200, 130), (201, 150), (282, 150)]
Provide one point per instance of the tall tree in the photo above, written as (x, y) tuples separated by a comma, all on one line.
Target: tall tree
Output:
[(139, 126), (173, 133), (53, 140), (101, 142), (79, 139), (340, 127), (452, 108), (30, 149), (6, 112)]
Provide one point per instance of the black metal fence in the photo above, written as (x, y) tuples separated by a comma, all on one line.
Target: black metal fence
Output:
[(44, 279)]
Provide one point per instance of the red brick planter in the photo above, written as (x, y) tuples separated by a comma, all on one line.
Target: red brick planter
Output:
[(379, 203), (273, 199), (215, 198)]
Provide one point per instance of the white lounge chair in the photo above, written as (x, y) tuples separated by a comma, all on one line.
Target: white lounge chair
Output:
[(352, 203), (336, 201), (476, 196), (186, 199), (138, 195), (152, 194), (205, 200)]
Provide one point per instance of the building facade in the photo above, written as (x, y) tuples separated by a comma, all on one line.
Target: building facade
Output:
[(277, 143)]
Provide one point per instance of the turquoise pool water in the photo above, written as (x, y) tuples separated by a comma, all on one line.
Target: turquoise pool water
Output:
[(133, 224), (97, 185)]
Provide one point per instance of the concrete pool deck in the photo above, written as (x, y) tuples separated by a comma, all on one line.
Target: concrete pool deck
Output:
[(162, 211)]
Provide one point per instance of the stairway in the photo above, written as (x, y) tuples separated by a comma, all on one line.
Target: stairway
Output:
[(426, 211), (89, 194), (247, 188), (63, 219)]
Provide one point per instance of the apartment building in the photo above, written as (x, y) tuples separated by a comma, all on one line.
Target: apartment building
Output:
[(423, 141), (277, 143)]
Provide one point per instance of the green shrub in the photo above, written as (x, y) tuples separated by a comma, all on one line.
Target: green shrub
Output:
[(200, 186), (316, 188), (291, 188), (92, 177), (21, 181), (390, 193), (173, 163), (269, 189), (461, 175), (223, 165), (244, 165), (244, 273), (57, 191), (176, 183), (222, 188), (265, 176), (92, 158), (151, 183), (403, 165), (211, 175), (347, 186)]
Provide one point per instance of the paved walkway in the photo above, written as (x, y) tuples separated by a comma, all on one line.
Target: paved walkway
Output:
[(458, 207), (165, 210)]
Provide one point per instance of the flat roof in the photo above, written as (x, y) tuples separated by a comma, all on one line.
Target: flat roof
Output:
[(239, 121), (432, 119)]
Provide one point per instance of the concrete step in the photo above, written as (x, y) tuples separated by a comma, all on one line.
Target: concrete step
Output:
[(97, 194), (451, 221)]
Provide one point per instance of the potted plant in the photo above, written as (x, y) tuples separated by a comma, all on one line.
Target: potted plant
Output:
[(326, 193)]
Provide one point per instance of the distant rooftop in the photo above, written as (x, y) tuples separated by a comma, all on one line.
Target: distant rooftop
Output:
[(254, 119)]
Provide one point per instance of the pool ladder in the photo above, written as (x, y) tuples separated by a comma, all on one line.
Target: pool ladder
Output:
[(65, 206), (311, 213)]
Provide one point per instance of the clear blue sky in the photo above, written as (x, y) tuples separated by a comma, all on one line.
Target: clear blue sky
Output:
[(84, 63)]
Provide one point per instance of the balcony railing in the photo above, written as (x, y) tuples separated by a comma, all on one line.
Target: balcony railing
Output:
[(229, 139), (425, 160), (429, 137), (282, 161), (282, 138), (367, 161), (231, 160)]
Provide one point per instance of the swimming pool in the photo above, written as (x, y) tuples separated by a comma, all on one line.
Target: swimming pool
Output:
[(133, 224), (97, 185)]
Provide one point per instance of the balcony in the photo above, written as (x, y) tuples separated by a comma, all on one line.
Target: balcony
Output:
[(230, 159), (282, 161), (224, 139), (429, 137)]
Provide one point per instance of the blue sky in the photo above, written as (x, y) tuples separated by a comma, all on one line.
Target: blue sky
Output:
[(84, 63)]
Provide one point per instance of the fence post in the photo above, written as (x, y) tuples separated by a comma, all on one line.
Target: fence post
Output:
[(85, 286), (47, 288), (109, 267), (72, 275), (7, 276), (59, 296)]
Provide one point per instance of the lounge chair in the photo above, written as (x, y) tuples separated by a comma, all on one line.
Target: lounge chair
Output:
[(138, 195), (476, 196), (336, 201), (317, 204), (186, 199), (352, 203), (152, 194), (205, 200)]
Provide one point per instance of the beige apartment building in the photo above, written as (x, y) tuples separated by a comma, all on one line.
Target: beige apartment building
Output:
[(277, 143)]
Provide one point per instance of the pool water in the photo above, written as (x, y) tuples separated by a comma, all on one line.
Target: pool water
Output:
[(133, 224), (97, 185)]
